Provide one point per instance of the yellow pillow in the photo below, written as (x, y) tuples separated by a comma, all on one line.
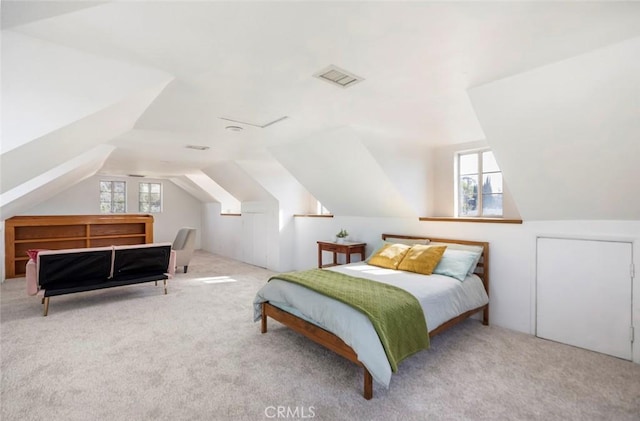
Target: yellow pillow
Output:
[(389, 256), (422, 259)]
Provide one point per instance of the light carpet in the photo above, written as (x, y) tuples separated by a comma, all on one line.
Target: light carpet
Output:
[(132, 353)]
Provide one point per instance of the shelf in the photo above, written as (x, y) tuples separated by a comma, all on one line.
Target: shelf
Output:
[(43, 240), (69, 232)]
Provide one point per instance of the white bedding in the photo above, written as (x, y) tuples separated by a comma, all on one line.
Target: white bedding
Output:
[(442, 298)]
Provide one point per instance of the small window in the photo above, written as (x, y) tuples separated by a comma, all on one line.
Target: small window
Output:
[(321, 210), (150, 197), (113, 196), (479, 185)]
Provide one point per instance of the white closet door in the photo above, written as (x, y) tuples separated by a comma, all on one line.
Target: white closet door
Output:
[(584, 294), (260, 240), (254, 238)]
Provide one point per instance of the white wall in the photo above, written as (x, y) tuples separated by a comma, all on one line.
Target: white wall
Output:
[(179, 209), (222, 234)]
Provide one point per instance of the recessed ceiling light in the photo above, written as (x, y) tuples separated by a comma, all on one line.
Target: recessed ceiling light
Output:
[(234, 128), (197, 147)]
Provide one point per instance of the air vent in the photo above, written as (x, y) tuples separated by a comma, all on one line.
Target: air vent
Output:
[(197, 147), (338, 76), (136, 175)]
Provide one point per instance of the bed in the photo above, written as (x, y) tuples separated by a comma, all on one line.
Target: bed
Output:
[(445, 298)]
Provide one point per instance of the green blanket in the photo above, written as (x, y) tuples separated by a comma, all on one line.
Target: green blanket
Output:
[(395, 313)]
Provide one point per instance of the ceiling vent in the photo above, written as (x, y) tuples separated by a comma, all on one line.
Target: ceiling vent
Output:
[(338, 76), (197, 147)]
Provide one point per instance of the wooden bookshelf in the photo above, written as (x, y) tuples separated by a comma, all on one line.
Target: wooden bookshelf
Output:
[(70, 231)]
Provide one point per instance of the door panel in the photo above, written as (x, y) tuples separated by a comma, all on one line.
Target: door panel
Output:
[(583, 294), (254, 239)]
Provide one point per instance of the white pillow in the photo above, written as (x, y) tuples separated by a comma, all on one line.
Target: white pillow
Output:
[(466, 247), (456, 263)]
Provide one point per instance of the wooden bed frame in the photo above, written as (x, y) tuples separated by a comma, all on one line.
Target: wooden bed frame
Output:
[(337, 345)]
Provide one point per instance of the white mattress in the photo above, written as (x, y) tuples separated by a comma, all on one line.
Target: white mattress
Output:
[(442, 298)]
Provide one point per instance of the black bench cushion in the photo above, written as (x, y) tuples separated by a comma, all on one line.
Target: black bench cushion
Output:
[(142, 261), (74, 269)]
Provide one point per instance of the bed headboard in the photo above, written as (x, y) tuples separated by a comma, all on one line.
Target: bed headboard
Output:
[(482, 269)]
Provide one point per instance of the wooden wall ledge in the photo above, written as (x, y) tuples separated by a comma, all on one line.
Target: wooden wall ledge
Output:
[(465, 219), (312, 215)]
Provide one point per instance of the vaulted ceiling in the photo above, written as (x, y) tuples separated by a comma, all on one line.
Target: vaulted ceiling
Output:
[(147, 79)]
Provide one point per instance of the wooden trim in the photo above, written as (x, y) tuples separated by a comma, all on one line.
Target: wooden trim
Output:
[(312, 215), (230, 214), (337, 345), (464, 219)]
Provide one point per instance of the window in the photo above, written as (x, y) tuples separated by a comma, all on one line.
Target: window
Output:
[(150, 197), (479, 185), (113, 196), (321, 210)]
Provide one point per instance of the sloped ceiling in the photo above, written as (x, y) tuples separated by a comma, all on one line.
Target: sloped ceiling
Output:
[(567, 135), (201, 63), (202, 187), (234, 179), (81, 135), (322, 163), (53, 181), (280, 183)]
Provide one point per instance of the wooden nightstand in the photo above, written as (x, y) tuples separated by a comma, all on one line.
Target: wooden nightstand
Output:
[(345, 248)]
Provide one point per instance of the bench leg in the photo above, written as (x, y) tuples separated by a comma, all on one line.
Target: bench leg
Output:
[(165, 286), (45, 301), (185, 268)]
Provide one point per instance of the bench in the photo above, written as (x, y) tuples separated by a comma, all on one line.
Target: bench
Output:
[(58, 272)]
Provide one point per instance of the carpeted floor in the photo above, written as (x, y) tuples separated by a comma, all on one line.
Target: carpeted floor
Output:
[(132, 353)]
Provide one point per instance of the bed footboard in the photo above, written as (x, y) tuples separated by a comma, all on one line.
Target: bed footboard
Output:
[(337, 345), (318, 335)]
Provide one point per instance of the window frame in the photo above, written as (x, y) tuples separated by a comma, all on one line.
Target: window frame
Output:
[(481, 175), (150, 203), (112, 191)]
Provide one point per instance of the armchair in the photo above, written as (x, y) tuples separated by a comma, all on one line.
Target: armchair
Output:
[(183, 246)]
